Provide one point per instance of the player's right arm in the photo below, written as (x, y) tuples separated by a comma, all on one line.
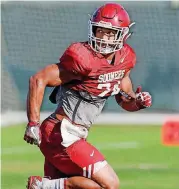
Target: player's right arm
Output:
[(51, 76)]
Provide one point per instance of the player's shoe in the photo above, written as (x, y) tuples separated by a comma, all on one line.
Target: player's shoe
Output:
[(34, 182)]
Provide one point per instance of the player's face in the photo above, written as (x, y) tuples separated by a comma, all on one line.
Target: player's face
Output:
[(105, 33), (107, 36)]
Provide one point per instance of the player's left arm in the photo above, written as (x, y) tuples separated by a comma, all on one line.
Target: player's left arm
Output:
[(139, 100)]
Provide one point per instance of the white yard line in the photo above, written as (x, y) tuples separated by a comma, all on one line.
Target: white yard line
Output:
[(142, 166), (119, 145)]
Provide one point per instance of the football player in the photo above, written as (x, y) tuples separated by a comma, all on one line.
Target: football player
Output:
[(87, 74)]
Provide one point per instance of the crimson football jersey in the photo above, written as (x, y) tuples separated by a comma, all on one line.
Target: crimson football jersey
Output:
[(100, 78)]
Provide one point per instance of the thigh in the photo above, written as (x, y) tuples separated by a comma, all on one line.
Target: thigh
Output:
[(86, 156)]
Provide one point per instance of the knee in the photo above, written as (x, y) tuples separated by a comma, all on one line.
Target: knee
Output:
[(92, 185), (113, 183), (96, 186), (81, 183), (116, 184)]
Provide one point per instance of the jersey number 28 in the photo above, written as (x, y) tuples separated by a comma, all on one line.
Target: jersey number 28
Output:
[(107, 88)]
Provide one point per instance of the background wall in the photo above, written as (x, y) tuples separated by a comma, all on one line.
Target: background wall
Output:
[(35, 34)]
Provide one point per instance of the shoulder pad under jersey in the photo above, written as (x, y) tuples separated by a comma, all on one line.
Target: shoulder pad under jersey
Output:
[(76, 59)]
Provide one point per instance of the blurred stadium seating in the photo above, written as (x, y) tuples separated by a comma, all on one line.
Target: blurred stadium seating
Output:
[(35, 34)]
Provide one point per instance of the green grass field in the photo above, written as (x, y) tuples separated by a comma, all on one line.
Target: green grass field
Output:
[(135, 153)]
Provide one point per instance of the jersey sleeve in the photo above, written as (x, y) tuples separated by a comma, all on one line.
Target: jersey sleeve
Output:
[(132, 58), (75, 59)]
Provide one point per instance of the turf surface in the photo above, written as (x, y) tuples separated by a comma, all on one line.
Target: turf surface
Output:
[(135, 152)]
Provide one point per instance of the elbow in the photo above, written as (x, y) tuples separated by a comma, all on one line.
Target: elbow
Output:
[(36, 81)]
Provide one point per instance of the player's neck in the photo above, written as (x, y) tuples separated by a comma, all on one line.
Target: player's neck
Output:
[(109, 56)]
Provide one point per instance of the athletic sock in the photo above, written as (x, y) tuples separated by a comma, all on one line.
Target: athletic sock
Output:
[(53, 184)]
